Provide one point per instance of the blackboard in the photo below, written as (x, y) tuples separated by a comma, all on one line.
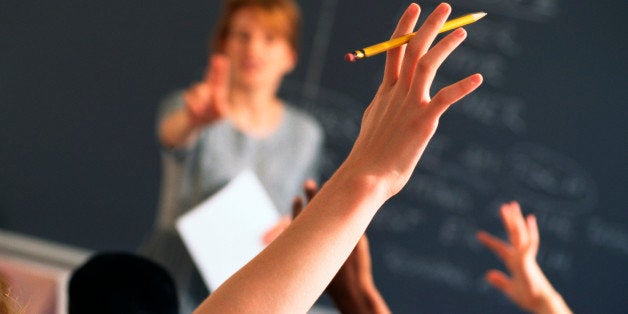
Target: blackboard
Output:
[(80, 83)]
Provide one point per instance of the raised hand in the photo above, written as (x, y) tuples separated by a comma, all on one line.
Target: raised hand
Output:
[(403, 101), (526, 285)]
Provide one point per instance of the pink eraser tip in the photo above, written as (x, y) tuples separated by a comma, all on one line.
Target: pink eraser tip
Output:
[(350, 57)]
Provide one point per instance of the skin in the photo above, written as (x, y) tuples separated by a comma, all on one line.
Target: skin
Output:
[(526, 285), (25, 289), (396, 128), (353, 289)]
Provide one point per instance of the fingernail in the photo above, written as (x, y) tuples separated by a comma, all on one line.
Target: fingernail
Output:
[(460, 32), (476, 79)]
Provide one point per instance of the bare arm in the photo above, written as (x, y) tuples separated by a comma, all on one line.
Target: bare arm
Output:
[(288, 276), (353, 289)]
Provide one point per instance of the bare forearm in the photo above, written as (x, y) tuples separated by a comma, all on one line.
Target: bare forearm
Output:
[(310, 251)]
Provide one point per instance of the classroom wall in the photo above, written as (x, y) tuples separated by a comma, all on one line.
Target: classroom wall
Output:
[(80, 82)]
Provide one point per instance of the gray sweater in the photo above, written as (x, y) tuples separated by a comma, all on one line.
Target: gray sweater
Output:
[(282, 161)]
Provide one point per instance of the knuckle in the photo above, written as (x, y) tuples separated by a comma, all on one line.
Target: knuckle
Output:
[(425, 66)]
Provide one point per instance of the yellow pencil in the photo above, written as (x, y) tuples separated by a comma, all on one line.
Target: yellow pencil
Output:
[(396, 42)]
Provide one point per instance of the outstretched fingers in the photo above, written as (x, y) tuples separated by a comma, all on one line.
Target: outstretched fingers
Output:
[(496, 245), (429, 64), (533, 233), (515, 225), (420, 44), (406, 25), (452, 93)]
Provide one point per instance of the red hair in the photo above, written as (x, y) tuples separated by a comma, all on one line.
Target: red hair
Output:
[(281, 16)]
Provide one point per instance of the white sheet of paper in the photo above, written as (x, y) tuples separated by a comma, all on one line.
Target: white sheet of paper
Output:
[(225, 231)]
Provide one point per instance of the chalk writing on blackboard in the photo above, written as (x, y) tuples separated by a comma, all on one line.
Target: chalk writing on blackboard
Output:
[(610, 236)]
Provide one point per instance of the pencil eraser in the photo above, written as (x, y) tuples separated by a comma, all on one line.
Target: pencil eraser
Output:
[(350, 57)]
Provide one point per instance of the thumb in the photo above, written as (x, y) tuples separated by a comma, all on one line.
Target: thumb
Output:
[(499, 280)]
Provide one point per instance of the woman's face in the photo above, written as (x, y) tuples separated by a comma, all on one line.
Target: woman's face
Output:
[(260, 56)]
